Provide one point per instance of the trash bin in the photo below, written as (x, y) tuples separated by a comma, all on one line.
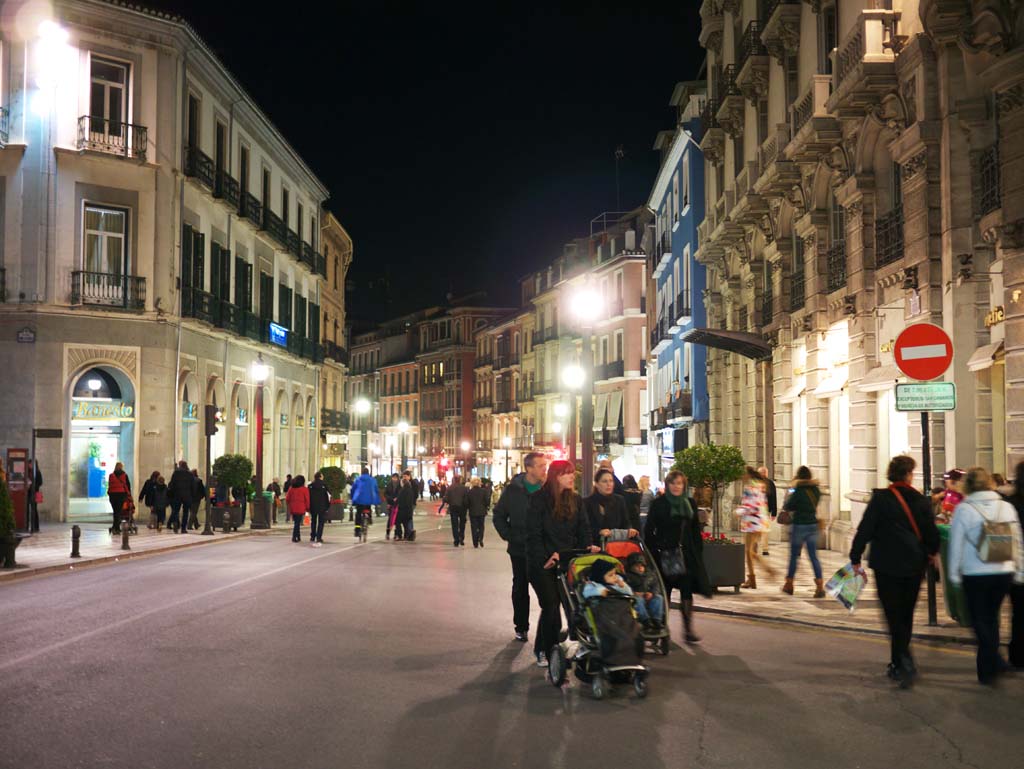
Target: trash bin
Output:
[(262, 505), (956, 602)]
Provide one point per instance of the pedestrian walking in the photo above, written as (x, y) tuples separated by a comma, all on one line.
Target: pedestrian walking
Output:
[(405, 505), (632, 494), (119, 491), (673, 535), (319, 506), (391, 490), (179, 491), (899, 526), (753, 521), (297, 502), (556, 523), (158, 504), (951, 495), (646, 497), (1015, 496), (479, 502), (274, 487), (146, 496), (606, 510), (35, 496), (801, 507), (606, 464), (365, 495), (771, 496), (986, 554), (510, 518), (456, 499), (198, 495)]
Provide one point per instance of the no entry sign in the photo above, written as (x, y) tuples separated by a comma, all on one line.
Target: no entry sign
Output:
[(923, 351)]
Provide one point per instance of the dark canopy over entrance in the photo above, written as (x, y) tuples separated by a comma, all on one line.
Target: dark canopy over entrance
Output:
[(746, 344)]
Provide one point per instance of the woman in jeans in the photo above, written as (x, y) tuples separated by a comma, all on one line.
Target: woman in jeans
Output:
[(297, 502), (802, 505), (986, 582)]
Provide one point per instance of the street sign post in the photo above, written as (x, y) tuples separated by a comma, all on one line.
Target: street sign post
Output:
[(923, 351)]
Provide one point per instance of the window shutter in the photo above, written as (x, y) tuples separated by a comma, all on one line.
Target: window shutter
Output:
[(215, 259), (198, 260), (247, 292), (186, 257), (225, 274)]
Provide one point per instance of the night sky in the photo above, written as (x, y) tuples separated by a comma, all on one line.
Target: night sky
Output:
[(462, 146)]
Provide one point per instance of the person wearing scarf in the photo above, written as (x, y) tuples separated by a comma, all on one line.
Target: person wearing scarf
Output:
[(606, 510)]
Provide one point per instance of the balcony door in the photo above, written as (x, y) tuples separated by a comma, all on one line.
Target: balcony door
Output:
[(105, 257), (108, 105)]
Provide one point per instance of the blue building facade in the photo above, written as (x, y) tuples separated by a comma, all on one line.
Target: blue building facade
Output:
[(677, 372)]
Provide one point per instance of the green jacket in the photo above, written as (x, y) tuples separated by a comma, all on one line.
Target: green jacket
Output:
[(803, 503)]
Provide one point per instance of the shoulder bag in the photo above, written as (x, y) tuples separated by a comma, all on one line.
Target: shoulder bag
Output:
[(996, 543), (672, 561)]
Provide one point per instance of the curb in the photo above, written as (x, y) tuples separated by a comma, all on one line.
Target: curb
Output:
[(124, 555)]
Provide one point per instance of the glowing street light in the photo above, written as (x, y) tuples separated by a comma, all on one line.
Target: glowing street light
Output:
[(507, 443), (561, 409), (573, 377)]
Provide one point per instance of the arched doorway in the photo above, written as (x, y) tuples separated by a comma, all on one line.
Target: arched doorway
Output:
[(102, 404), (312, 435), (283, 432), (215, 396), (189, 438), (298, 454), (241, 417)]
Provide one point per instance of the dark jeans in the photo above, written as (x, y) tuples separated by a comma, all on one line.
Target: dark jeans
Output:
[(316, 526), (476, 528), (520, 594), (116, 506), (1017, 628), (458, 516), (403, 527), (985, 594), (899, 597), (800, 534), (176, 516), (195, 514), (360, 511), (297, 526), (549, 624)]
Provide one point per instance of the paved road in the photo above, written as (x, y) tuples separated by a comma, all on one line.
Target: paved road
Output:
[(261, 653)]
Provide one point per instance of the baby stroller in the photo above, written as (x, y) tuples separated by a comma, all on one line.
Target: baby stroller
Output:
[(657, 639), (603, 644)]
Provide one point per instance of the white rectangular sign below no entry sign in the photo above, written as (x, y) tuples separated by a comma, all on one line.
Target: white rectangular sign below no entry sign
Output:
[(926, 396)]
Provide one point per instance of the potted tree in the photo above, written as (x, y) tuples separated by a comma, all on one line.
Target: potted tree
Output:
[(710, 468), (9, 538), (233, 471), (334, 480)]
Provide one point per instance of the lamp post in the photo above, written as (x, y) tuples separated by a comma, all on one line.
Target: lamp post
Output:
[(403, 428), (465, 459), (376, 460), (362, 408), (391, 445), (420, 451), (586, 306), (572, 378), (506, 442), (260, 372)]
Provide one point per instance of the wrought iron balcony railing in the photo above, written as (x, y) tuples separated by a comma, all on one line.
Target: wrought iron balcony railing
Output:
[(226, 186), (198, 304), (837, 266), (797, 291), (97, 134), (750, 43), (109, 290), (200, 166), (250, 208), (889, 237), (991, 197), (5, 124)]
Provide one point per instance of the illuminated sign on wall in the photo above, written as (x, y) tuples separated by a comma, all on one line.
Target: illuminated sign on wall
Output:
[(189, 412), (104, 410), (278, 335)]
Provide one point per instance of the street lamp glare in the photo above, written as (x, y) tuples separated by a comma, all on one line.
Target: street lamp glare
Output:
[(421, 450), (557, 427), (260, 370), (586, 304), (362, 406), (95, 384), (465, 445), (561, 410), (402, 426), (573, 377), (506, 441)]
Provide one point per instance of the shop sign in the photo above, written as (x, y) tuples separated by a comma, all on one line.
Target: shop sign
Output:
[(26, 335), (312, 423), (102, 410), (278, 335), (242, 418), (887, 346), (284, 420), (189, 412), (926, 396), (995, 317)]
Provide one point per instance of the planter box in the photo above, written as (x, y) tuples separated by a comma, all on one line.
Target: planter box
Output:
[(260, 508), (233, 513), (725, 565), (336, 512), (7, 547)]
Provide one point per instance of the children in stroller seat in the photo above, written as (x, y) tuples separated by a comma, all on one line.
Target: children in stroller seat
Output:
[(644, 578)]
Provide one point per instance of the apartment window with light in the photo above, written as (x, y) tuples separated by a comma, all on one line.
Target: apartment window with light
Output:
[(105, 241), (108, 97)]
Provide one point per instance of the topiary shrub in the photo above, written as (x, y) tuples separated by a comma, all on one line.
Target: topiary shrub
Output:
[(334, 480), (233, 470), (7, 522), (713, 466)]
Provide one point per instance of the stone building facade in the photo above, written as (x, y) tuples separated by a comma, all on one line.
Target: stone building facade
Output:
[(855, 185), (334, 419)]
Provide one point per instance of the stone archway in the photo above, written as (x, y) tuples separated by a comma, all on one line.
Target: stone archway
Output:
[(190, 414)]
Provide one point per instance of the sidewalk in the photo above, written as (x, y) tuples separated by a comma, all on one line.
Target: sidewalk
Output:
[(768, 602)]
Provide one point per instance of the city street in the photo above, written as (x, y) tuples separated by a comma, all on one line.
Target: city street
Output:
[(261, 653)]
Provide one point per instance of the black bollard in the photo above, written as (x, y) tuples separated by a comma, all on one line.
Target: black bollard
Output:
[(124, 535), (76, 536)]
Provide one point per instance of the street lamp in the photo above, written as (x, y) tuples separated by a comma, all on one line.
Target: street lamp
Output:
[(376, 459), (403, 427), (586, 305), (391, 445), (465, 458), (362, 407), (260, 371), (573, 377), (506, 442), (420, 451)]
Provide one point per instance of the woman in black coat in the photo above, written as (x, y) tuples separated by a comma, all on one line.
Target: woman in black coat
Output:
[(406, 501), (673, 522), (555, 522), (606, 510)]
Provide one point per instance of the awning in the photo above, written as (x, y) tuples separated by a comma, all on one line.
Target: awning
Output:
[(984, 356), (599, 410), (614, 410), (746, 344), (833, 385), (881, 378), (792, 393)]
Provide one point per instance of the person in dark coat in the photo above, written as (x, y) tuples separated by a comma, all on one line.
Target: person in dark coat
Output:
[(179, 491), (633, 496), (406, 503), (198, 495), (1016, 649), (158, 503), (606, 464), (510, 522), (556, 523), (773, 505), (606, 510), (673, 521), (394, 485), (478, 501), (457, 498), (899, 526), (146, 496), (119, 491), (319, 505)]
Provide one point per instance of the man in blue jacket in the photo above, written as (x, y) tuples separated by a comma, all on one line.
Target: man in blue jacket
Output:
[(365, 495)]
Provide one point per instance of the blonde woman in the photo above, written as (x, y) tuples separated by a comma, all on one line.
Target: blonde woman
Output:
[(986, 582)]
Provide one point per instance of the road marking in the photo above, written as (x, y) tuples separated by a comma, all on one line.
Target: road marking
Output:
[(156, 610), (923, 351)]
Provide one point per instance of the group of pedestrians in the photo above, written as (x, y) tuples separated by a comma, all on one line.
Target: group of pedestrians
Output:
[(182, 494), (401, 493), (314, 499)]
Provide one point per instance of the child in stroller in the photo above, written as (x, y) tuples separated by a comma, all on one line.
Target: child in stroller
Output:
[(604, 577), (650, 605)]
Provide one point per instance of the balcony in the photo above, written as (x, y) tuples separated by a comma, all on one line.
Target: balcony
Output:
[(97, 134), (682, 310), (767, 308), (659, 419), (776, 174), (307, 256), (335, 352), (680, 407), (274, 226), (610, 370), (483, 403), (607, 437), (431, 415), (731, 107), (108, 290), (661, 337), (550, 333), (333, 420), (226, 188), (750, 207), (864, 69), (504, 407), (836, 260), (483, 361), (781, 35), (814, 131), (253, 325), (250, 208), (889, 237), (547, 439), (198, 304), (752, 67), (712, 143), (294, 244), (199, 166), (797, 291), (988, 167), (5, 125), (228, 316), (614, 308), (712, 25), (524, 394), (537, 338)]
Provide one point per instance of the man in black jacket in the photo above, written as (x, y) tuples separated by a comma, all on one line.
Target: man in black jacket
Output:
[(458, 503), (510, 522), (319, 505), (179, 491)]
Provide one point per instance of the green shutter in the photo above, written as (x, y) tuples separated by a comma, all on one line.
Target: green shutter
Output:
[(215, 259), (186, 257), (225, 274), (198, 260)]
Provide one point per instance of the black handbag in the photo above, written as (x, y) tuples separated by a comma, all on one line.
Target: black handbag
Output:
[(673, 564)]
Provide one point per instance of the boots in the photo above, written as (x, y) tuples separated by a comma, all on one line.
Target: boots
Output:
[(819, 588), (751, 583), (690, 636), (788, 586)]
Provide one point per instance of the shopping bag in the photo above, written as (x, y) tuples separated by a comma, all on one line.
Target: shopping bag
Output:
[(845, 586)]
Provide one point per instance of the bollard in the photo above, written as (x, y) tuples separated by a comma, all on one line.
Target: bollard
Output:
[(76, 536), (124, 535)]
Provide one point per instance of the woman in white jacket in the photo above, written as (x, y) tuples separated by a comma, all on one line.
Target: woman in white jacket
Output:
[(985, 583)]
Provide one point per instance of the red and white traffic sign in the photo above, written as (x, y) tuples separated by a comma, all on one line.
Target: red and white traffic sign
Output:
[(923, 351)]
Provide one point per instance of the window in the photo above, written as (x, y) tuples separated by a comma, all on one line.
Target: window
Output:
[(617, 349), (108, 97), (266, 296), (762, 121), (837, 222), (193, 120), (105, 241), (285, 205), (284, 306), (243, 168), (827, 32), (737, 154), (220, 271), (266, 189), (299, 220), (220, 151), (686, 179), (792, 71)]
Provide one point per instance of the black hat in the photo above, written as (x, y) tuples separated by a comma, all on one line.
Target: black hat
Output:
[(599, 568), (635, 558)]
